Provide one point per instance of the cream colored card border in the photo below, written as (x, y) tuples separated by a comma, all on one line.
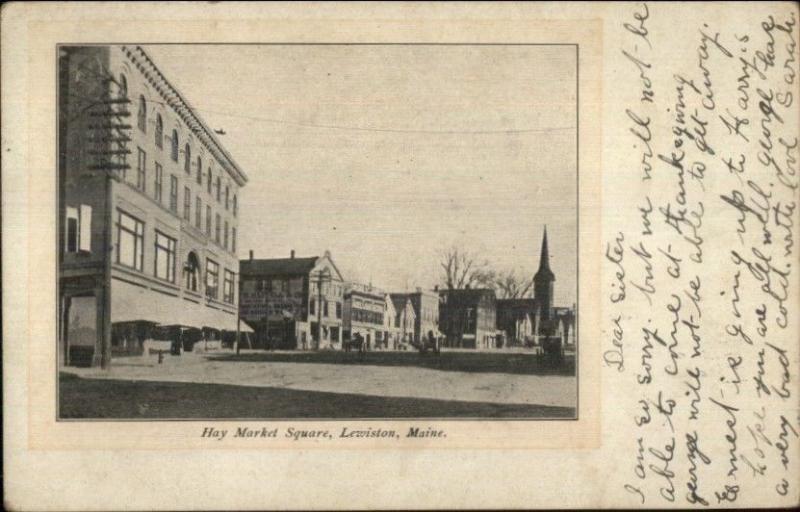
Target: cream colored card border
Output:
[(29, 192)]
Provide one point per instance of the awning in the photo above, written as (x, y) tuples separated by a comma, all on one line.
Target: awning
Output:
[(133, 303)]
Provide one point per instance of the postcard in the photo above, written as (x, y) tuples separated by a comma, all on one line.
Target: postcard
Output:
[(456, 255)]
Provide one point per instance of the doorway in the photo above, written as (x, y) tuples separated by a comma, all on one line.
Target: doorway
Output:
[(80, 330)]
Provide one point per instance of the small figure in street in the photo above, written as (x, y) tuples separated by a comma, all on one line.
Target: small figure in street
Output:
[(362, 350), (433, 342)]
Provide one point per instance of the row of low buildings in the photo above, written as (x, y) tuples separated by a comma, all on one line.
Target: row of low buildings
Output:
[(147, 241), (306, 303)]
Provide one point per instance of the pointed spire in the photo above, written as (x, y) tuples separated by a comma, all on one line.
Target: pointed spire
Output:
[(544, 258), (544, 261)]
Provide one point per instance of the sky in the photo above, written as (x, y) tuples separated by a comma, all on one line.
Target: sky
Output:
[(388, 155)]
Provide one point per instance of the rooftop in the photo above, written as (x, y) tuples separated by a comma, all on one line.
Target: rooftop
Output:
[(277, 266)]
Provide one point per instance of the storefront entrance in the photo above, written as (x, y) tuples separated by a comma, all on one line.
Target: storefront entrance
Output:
[(80, 330)]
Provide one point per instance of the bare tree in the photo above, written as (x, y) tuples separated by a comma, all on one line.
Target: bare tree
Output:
[(462, 268), (509, 285)]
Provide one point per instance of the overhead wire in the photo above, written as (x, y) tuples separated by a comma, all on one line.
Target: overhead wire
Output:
[(384, 130)]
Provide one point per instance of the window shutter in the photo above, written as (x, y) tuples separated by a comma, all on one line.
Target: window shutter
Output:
[(85, 224), (71, 242)]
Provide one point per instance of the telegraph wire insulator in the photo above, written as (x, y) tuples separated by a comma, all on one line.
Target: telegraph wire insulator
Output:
[(115, 101), (110, 127), (109, 167), (111, 152), (109, 139), (110, 113)]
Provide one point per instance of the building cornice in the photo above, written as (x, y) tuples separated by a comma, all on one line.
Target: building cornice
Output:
[(175, 100)]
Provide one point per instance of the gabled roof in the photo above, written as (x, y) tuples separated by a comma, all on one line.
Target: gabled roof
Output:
[(399, 301), (389, 302), (549, 327), (277, 266)]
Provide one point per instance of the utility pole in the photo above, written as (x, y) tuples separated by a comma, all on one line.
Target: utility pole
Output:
[(238, 282), (319, 313), (108, 133)]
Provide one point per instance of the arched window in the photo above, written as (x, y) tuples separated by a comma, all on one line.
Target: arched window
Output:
[(210, 179), (199, 170), (235, 206), (174, 146), (191, 271), (187, 159), (159, 131), (142, 114), (123, 86)]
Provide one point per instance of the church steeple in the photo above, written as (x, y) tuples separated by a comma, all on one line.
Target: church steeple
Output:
[(543, 282), (544, 271)]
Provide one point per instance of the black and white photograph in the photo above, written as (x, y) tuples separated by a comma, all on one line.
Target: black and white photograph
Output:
[(400, 255), (317, 231)]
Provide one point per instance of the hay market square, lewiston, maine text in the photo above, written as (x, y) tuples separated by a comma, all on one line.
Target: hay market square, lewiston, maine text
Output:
[(296, 434)]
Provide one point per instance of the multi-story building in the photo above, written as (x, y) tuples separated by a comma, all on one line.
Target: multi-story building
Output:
[(364, 307), (148, 205), (405, 317), (467, 317), (426, 312), (293, 302)]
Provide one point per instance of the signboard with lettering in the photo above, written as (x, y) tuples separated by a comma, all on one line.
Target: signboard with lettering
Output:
[(273, 299)]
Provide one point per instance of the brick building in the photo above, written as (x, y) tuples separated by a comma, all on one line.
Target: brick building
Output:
[(148, 210), (467, 318)]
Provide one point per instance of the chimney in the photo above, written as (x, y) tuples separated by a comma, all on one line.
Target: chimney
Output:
[(251, 254), (291, 254)]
